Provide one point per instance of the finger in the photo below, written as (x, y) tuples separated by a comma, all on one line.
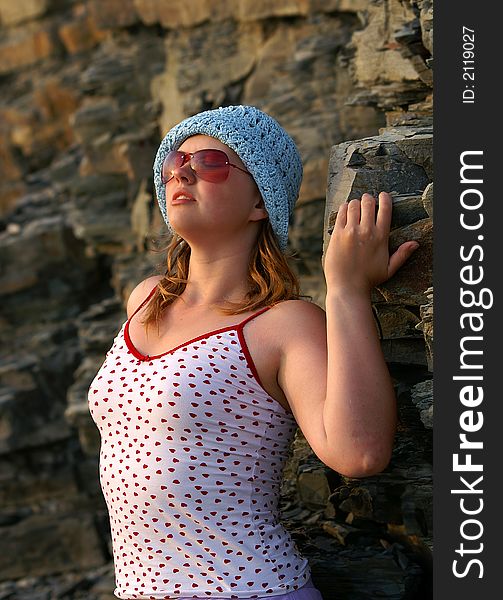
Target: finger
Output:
[(353, 216), (383, 221), (340, 220), (368, 211), (398, 258)]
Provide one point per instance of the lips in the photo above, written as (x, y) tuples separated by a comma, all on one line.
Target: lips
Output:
[(182, 197)]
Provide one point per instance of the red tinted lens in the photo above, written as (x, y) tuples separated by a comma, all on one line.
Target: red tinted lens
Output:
[(174, 160), (210, 165)]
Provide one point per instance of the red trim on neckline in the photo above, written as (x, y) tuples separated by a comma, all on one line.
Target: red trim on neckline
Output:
[(145, 357), (238, 327), (141, 356)]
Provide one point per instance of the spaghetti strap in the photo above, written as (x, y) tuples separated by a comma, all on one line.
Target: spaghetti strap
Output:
[(144, 302), (259, 312)]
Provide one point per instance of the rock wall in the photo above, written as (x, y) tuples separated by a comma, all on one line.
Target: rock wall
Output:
[(88, 89)]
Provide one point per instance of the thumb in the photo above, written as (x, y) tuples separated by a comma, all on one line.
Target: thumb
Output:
[(401, 254)]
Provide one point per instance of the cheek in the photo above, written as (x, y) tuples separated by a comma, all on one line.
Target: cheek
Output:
[(225, 207), (222, 197), (231, 202)]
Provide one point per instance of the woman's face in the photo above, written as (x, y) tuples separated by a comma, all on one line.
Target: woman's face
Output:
[(215, 209)]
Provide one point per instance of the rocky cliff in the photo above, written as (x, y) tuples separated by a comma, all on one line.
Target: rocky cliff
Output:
[(88, 89)]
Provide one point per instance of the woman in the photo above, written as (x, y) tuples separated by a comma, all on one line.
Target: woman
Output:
[(197, 413)]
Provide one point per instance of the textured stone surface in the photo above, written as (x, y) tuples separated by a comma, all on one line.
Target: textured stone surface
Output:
[(397, 161), (426, 326), (13, 13), (391, 62), (38, 545), (422, 396), (113, 13), (25, 48), (81, 33)]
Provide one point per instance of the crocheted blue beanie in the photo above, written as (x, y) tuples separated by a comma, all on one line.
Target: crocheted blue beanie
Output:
[(265, 148)]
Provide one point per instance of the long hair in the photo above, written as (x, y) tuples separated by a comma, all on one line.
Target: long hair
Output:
[(270, 277)]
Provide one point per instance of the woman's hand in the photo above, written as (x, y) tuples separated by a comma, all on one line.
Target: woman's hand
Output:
[(357, 257)]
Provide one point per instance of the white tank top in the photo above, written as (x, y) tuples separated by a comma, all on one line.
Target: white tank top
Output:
[(191, 461)]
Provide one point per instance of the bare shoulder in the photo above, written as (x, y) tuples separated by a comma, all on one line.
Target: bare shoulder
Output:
[(303, 310), (298, 320), (140, 292)]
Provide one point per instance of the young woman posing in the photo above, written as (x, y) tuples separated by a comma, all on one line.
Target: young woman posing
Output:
[(197, 413)]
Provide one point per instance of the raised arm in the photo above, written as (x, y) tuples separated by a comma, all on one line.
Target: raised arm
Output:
[(341, 392)]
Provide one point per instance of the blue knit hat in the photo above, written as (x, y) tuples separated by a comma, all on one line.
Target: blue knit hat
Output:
[(265, 148)]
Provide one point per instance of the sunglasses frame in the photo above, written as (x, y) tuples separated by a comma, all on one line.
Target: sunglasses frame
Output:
[(188, 161)]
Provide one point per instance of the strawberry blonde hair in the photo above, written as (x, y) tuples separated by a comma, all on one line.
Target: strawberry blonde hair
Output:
[(270, 277)]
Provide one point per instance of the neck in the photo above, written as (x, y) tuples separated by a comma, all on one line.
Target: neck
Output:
[(215, 279)]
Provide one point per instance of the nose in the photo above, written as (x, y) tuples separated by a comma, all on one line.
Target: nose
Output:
[(184, 172)]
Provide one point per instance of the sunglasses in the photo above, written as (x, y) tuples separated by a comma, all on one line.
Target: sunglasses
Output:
[(209, 164)]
